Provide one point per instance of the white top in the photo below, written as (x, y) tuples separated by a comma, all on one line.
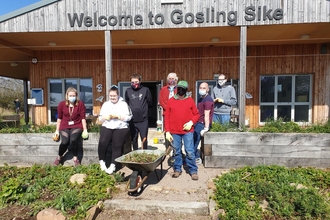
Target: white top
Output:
[(121, 109)]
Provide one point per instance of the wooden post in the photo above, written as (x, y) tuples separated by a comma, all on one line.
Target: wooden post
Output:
[(108, 62), (242, 76)]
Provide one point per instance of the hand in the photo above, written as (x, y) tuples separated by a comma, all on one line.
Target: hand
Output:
[(56, 136), (106, 117), (204, 131), (168, 136), (187, 126), (218, 100), (84, 134), (114, 116)]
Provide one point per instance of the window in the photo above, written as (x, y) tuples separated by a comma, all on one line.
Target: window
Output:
[(57, 89), (287, 97)]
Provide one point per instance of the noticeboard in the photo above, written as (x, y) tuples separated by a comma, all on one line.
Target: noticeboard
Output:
[(38, 95)]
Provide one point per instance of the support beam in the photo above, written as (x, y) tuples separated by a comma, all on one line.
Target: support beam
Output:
[(108, 62), (16, 47), (242, 76)]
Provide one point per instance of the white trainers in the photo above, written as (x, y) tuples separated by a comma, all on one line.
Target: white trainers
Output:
[(102, 165), (111, 169), (199, 161)]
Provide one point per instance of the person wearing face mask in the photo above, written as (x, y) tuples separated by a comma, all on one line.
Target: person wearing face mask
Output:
[(71, 125), (139, 100), (114, 116), (205, 106), (181, 114), (166, 93), (224, 98)]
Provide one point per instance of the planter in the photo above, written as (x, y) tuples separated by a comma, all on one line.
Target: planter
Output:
[(238, 149)]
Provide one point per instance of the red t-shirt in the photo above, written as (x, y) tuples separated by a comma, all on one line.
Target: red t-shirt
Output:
[(179, 112), (71, 114)]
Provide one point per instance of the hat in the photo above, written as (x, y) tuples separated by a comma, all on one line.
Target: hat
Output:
[(183, 84)]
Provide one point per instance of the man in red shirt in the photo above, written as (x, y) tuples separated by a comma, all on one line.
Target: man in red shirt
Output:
[(166, 93), (181, 114)]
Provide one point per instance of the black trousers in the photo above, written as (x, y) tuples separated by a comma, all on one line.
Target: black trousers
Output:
[(70, 137), (115, 138), (136, 128)]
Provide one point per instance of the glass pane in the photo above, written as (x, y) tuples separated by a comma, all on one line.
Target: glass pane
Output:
[(86, 92), (301, 113), (267, 88), (284, 112), (70, 83), (89, 110), (302, 88), (284, 88), (55, 91), (53, 114), (266, 112)]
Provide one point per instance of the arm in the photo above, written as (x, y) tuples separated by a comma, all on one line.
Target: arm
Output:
[(149, 98), (232, 100), (162, 98), (207, 118)]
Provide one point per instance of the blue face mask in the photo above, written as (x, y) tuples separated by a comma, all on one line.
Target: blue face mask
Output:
[(72, 99)]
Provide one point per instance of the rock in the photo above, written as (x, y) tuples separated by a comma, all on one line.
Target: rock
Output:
[(93, 212), (211, 185), (50, 214), (78, 178)]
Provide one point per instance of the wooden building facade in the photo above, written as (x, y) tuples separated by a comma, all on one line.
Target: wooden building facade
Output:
[(278, 50)]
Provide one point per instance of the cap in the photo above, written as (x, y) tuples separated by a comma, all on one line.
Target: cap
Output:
[(183, 84)]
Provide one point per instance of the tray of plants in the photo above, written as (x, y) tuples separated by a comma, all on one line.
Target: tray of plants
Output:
[(141, 162)]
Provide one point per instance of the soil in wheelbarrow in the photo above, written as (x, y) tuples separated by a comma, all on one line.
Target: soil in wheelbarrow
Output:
[(167, 189)]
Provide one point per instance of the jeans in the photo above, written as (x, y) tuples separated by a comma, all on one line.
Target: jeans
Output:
[(188, 142), (197, 137), (221, 118)]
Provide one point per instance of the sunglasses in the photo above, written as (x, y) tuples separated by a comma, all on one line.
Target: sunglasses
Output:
[(114, 87)]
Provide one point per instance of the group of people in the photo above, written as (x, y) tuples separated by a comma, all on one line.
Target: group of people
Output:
[(183, 120)]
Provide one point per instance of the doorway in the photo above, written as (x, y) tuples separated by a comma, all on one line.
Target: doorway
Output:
[(154, 110)]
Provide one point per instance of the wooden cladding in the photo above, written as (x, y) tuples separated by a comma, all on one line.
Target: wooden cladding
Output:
[(191, 64)]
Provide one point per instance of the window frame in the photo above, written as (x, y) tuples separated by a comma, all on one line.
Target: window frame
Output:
[(292, 103), (63, 89)]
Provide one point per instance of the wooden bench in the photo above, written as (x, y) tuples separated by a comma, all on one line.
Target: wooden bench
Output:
[(11, 120)]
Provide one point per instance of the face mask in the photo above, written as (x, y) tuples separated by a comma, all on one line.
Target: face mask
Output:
[(72, 99), (222, 82), (202, 92), (135, 86), (181, 91), (171, 82)]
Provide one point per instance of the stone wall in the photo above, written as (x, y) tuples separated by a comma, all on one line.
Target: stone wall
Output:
[(232, 150)]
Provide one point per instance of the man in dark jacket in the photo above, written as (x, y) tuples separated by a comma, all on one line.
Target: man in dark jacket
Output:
[(139, 100)]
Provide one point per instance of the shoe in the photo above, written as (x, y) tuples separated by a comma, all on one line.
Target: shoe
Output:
[(76, 162), (111, 169), (194, 176), (57, 161), (199, 161), (102, 165), (176, 174)]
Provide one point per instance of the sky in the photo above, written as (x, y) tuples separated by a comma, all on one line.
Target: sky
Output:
[(12, 5)]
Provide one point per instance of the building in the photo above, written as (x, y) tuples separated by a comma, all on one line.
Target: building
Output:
[(278, 50)]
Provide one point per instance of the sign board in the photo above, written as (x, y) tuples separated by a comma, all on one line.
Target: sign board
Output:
[(38, 95), (31, 101)]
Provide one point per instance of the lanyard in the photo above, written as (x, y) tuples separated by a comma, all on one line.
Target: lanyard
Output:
[(70, 112)]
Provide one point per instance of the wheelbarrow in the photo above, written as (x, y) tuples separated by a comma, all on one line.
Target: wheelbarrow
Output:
[(135, 182)]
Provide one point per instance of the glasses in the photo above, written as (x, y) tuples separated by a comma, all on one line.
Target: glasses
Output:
[(114, 87)]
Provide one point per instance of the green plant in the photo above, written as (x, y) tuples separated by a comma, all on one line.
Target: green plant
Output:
[(230, 127), (48, 186), (297, 193)]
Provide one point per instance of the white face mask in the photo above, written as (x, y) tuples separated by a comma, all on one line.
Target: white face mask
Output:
[(222, 82), (202, 92), (72, 99)]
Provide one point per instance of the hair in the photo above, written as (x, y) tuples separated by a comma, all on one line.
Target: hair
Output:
[(136, 76), (71, 89), (114, 88), (172, 75)]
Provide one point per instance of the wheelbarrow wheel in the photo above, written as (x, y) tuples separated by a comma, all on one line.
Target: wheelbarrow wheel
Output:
[(134, 181)]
